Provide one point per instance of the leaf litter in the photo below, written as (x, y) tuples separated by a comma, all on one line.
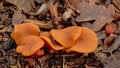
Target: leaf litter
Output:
[(99, 13), (94, 14)]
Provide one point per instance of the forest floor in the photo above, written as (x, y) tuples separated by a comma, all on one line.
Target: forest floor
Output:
[(101, 16)]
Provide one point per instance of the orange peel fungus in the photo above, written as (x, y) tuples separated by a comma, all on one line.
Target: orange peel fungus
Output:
[(67, 36), (30, 45), (86, 43), (50, 44), (23, 30), (74, 38)]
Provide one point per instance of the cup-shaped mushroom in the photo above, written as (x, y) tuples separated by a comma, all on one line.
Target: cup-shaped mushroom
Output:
[(51, 45), (29, 45), (67, 36), (46, 34), (22, 30), (86, 43)]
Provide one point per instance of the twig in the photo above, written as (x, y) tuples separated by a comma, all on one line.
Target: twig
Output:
[(64, 64), (114, 58)]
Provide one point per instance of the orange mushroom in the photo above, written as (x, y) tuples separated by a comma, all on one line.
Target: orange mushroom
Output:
[(67, 36), (39, 53), (46, 34), (23, 30), (86, 43), (30, 45), (50, 44)]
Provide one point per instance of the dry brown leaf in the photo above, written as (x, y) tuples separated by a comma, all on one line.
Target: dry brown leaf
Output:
[(100, 22), (72, 3), (18, 17), (25, 5), (113, 61), (53, 11), (86, 24), (91, 11), (99, 13)]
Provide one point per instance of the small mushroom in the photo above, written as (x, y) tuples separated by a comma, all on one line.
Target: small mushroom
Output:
[(39, 53), (86, 43), (30, 45), (50, 44), (67, 36), (23, 30)]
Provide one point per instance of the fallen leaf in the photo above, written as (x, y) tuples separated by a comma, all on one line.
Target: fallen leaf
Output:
[(101, 35), (100, 22), (86, 24), (73, 3), (25, 5), (18, 17), (99, 13), (113, 61)]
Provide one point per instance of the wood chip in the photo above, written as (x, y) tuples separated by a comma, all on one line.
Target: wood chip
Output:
[(45, 57), (114, 46), (116, 3), (1, 38)]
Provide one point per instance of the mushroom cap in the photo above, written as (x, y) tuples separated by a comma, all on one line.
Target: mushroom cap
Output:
[(67, 36), (46, 34), (50, 44), (29, 45), (86, 43), (23, 30)]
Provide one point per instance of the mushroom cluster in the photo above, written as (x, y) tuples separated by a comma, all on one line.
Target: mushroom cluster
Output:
[(31, 40)]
